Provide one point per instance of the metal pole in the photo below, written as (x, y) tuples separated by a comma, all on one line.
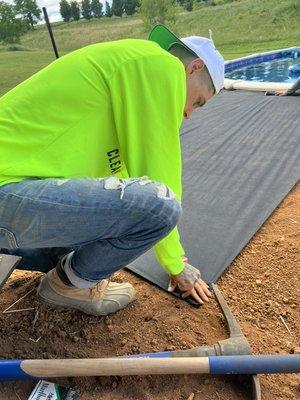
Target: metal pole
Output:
[(50, 32)]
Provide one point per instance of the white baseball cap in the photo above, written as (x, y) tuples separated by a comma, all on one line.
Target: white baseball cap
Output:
[(201, 47)]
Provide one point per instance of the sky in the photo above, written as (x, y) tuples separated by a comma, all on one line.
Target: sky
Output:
[(52, 8)]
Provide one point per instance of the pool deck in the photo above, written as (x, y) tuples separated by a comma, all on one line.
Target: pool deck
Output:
[(232, 84)]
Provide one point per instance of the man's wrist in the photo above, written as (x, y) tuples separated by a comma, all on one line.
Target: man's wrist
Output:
[(185, 259)]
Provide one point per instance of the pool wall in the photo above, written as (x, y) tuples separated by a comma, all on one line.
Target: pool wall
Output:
[(238, 63)]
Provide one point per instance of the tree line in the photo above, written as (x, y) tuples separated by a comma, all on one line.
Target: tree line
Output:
[(89, 9)]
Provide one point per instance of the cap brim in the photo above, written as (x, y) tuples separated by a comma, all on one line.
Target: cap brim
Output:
[(165, 38)]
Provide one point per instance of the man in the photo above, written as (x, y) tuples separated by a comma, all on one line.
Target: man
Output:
[(90, 165), (292, 90)]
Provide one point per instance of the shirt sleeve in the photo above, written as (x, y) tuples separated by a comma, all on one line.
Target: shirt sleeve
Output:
[(148, 96), (294, 88)]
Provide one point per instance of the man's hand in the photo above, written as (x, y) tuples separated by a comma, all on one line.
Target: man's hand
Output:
[(281, 93), (190, 283)]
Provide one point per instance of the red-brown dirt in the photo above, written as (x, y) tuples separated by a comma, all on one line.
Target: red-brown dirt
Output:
[(261, 287)]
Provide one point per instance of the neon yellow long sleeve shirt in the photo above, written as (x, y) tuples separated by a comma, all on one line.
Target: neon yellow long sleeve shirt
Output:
[(107, 109)]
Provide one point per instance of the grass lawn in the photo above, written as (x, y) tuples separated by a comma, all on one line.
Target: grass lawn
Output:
[(16, 66)]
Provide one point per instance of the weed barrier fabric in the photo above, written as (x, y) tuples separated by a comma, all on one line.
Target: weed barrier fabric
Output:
[(241, 157)]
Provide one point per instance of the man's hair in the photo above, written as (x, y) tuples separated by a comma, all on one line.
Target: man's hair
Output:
[(186, 57)]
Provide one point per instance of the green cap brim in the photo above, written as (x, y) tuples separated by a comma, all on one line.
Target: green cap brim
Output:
[(165, 38)]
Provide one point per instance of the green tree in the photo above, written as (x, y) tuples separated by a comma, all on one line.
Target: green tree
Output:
[(96, 7), (65, 10), (158, 12), (75, 10), (11, 27), (188, 5), (130, 6), (29, 11), (117, 7), (108, 12), (86, 9)]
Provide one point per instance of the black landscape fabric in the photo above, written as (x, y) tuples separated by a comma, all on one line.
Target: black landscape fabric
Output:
[(241, 156)]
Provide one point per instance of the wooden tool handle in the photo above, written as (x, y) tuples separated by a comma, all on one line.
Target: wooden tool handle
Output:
[(115, 366)]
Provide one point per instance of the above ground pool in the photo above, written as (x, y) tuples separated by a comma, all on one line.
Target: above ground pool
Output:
[(274, 70)]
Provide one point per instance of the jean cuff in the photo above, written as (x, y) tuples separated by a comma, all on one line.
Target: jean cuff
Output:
[(76, 280)]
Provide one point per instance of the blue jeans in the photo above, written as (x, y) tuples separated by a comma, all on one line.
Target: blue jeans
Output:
[(107, 223)]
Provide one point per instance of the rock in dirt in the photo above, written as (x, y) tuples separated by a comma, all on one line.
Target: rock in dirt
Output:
[(295, 350)]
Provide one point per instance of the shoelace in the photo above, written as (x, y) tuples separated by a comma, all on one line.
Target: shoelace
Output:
[(99, 289)]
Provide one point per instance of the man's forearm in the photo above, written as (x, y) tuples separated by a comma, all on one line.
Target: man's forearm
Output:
[(294, 88)]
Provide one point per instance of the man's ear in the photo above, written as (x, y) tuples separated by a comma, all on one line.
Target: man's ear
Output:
[(194, 65)]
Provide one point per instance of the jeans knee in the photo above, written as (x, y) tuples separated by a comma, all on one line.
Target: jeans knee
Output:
[(153, 197), (166, 205), (173, 212)]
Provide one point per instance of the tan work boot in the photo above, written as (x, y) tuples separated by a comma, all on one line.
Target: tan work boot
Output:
[(105, 298)]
